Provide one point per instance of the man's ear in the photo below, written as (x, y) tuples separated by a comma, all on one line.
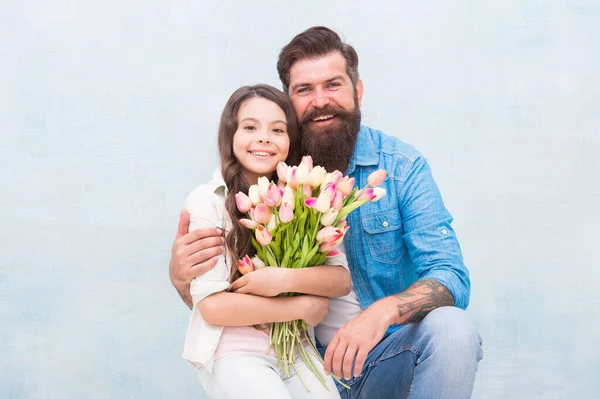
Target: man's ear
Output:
[(359, 91)]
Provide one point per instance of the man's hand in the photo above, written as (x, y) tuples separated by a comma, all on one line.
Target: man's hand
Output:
[(192, 255), (354, 341), (267, 281)]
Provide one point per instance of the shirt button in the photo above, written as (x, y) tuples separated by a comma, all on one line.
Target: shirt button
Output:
[(444, 231), (385, 223)]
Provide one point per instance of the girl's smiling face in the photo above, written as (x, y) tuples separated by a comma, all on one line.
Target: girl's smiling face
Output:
[(261, 140)]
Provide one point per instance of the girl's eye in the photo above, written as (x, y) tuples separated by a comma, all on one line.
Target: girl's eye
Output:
[(277, 130), (249, 127)]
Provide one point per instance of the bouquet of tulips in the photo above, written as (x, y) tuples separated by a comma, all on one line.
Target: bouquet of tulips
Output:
[(298, 223)]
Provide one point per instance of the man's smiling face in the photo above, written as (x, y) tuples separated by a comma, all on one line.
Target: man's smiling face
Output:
[(328, 110)]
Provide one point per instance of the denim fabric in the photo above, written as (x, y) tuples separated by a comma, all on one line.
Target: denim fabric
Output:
[(434, 358), (406, 235)]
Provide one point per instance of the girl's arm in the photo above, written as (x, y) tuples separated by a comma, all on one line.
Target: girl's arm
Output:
[(325, 280), (233, 309)]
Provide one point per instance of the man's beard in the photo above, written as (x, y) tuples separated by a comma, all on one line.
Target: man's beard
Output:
[(330, 146)]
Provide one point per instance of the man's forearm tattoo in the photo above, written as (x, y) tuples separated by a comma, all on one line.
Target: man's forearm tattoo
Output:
[(421, 298)]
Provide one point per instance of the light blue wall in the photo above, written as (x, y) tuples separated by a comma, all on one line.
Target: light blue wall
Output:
[(108, 114)]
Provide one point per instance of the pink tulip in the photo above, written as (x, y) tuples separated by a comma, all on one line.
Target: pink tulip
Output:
[(307, 160), (273, 196), (376, 178), (263, 236), (272, 223), (329, 188), (243, 202), (343, 226), (248, 223), (263, 186), (366, 194), (245, 265), (329, 234), (261, 214), (282, 170), (332, 254), (326, 247), (307, 190), (310, 202), (338, 201), (346, 185), (286, 213), (292, 178)]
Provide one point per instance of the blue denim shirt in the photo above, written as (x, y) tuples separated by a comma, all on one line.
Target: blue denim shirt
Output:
[(405, 236)]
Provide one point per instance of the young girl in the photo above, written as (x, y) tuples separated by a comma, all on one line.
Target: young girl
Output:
[(257, 131)]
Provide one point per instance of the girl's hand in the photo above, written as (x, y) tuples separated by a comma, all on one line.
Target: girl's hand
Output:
[(314, 308), (267, 281)]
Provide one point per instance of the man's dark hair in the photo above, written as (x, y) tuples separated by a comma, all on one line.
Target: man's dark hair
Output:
[(315, 42)]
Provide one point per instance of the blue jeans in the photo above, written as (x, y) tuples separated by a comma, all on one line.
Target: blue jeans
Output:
[(435, 358)]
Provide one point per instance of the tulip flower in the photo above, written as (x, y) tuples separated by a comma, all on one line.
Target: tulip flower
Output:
[(332, 254), (302, 173), (254, 194), (272, 223), (329, 234), (307, 189), (288, 196), (329, 217), (307, 160), (273, 196), (263, 236), (248, 223), (263, 186), (330, 189), (282, 170), (326, 247), (376, 178), (346, 185), (338, 201), (378, 193), (258, 264), (316, 176), (245, 265), (333, 177), (286, 213), (323, 202), (243, 202), (292, 177), (366, 195), (261, 214)]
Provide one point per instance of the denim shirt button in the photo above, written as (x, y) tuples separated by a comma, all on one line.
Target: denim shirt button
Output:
[(444, 231), (385, 224)]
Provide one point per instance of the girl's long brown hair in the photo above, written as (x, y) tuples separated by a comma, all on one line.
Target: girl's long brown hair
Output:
[(237, 239)]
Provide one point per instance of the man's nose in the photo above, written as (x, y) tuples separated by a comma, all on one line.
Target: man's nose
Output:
[(320, 99)]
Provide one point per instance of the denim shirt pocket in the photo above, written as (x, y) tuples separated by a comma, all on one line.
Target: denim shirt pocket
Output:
[(384, 236)]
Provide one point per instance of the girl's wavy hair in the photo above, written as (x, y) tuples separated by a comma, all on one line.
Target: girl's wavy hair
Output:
[(237, 239)]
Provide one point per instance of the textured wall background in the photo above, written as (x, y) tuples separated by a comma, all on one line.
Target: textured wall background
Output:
[(108, 115)]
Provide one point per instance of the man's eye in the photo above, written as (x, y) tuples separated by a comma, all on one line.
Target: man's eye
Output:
[(303, 90), (333, 84)]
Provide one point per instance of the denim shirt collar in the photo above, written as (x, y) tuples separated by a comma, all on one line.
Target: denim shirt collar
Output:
[(365, 152)]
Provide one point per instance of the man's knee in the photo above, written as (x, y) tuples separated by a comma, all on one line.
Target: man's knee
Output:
[(451, 328)]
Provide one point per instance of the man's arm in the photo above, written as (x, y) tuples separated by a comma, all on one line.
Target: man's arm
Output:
[(192, 255), (434, 250)]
